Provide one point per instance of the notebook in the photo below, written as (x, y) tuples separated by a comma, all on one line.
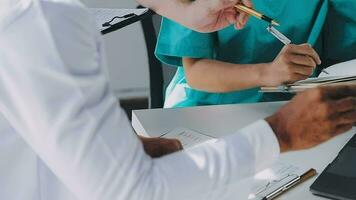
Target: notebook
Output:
[(340, 73), (310, 83)]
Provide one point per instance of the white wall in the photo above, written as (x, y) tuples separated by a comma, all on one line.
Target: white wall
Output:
[(127, 56)]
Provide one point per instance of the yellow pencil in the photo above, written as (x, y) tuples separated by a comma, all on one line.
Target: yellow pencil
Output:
[(256, 14)]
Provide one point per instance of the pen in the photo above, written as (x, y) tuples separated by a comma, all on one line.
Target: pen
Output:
[(283, 39), (282, 189), (256, 14)]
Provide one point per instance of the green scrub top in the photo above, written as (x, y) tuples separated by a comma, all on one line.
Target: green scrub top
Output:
[(302, 21), (340, 32)]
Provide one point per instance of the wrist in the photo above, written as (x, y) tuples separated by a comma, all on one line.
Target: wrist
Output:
[(263, 74), (280, 130)]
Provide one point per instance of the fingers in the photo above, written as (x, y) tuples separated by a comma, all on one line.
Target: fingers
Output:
[(340, 111), (239, 23), (347, 118), (304, 49), (217, 5), (177, 144), (296, 77), (157, 147), (302, 60), (339, 91), (170, 145), (221, 4), (230, 15), (344, 105), (342, 129), (341, 115), (247, 3), (242, 17), (298, 72), (343, 111), (299, 60), (303, 70)]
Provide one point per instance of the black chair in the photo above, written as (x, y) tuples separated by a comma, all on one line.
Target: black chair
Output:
[(155, 66)]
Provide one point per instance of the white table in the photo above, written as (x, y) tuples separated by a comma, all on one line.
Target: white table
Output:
[(222, 120)]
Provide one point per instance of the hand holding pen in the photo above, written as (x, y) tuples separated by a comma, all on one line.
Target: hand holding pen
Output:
[(283, 39), (206, 15), (286, 41), (293, 63)]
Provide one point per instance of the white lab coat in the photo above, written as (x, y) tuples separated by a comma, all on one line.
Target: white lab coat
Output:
[(63, 136)]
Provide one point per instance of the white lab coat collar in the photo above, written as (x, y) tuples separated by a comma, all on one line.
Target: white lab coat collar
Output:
[(10, 9)]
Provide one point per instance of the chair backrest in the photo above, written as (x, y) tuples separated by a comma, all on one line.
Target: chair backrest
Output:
[(155, 66)]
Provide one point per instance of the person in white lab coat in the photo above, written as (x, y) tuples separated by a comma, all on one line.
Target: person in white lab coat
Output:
[(62, 135)]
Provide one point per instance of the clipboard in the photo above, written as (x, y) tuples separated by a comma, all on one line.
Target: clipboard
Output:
[(116, 19), (278, 179), (291, 184)]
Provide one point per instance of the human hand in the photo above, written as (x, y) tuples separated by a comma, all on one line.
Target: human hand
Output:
[(157, 147), (201, 15), (314, 116), (294, 63), (213, 15)]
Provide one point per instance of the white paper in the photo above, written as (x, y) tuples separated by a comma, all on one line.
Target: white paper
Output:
[(342, 69), (103, 15), (188, 137), (273, 178)]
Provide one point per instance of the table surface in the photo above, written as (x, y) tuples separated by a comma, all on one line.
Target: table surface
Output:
[(226, 119)]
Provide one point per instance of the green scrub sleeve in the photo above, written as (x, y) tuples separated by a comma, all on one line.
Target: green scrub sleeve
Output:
[(176, 42)]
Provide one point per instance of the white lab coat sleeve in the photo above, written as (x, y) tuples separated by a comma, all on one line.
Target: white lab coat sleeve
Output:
[(54, 92)]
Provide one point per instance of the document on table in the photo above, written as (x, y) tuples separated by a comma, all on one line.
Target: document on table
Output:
[(277, 176), (103, 15), (188, 137)]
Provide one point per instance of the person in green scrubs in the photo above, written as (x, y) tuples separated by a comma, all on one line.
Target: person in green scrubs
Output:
[(247, 49)]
